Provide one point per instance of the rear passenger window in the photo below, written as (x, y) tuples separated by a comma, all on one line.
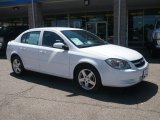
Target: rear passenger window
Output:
[(31, 38), (49, 38)]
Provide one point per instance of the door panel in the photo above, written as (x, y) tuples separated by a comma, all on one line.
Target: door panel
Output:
[(29, 50), (54, 61), (29, 56)]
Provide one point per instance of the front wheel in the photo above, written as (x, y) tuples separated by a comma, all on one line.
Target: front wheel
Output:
[(87, 78), (17, 65)]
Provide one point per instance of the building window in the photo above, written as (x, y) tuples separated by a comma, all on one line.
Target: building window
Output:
[(150, 18), (135, 28), (140, 26), (77, 21), (100, 23), (62, 21)]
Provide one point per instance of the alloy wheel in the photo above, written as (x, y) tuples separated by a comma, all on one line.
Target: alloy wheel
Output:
[(87, 79), (17, 67)]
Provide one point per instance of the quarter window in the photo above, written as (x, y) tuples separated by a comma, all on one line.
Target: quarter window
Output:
[(49, 38), (31, 38)]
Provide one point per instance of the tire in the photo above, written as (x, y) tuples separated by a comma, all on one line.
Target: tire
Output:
[(17, 65), (87, 78)]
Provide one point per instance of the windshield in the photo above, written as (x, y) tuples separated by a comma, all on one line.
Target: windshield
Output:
[(82, 38)]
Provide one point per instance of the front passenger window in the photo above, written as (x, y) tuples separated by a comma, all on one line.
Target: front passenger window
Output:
[(49, 38)]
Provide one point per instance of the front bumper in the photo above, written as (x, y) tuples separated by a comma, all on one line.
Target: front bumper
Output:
[(123, 78)]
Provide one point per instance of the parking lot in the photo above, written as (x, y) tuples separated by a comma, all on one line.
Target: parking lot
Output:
[(37, 96)]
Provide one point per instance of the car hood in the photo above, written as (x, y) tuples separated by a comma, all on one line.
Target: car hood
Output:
[(112, 51)]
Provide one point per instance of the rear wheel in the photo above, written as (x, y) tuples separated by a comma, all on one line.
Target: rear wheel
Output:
[(87, 78), (17, 65)]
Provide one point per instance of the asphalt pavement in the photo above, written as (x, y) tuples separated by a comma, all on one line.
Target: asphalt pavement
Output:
[(37, 96)]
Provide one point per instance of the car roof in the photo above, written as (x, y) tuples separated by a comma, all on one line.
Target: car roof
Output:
[(55, 28)]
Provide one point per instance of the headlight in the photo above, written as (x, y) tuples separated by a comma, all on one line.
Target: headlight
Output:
[(118, 64)]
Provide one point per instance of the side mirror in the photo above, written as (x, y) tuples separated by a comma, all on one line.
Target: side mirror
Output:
[(60, 46)]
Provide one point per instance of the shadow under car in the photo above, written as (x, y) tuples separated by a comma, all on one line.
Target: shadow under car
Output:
[(130, 95)]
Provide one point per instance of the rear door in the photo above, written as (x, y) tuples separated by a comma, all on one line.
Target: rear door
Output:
[(29, 50)]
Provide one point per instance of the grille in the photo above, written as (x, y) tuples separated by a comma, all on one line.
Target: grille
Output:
[(139, 62)]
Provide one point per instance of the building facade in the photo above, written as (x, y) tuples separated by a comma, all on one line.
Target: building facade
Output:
[(123, 22)]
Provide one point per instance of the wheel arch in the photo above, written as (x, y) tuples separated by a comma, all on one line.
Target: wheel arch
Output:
[(91, 67), (13, 55), (85, 63)]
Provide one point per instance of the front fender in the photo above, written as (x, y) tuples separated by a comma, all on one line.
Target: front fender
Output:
[(80, 61)]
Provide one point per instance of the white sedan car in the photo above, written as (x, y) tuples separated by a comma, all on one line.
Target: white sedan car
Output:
[(76, 54)]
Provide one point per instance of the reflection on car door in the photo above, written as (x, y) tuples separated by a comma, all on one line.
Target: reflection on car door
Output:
[(52, 60)]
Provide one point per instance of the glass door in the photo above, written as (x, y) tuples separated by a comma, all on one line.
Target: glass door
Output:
[(98, 28), (91, 26), (102, 30)]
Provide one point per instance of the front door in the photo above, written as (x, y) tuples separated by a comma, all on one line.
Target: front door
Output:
[(98, 28), (53, 61)]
